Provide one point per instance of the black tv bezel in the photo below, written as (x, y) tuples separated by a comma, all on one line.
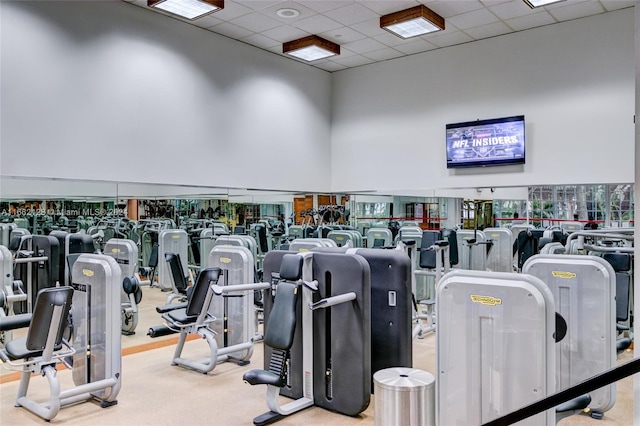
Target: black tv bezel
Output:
[(486, 162)]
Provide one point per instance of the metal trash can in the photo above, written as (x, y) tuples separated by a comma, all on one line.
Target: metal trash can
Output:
[(404, 396)]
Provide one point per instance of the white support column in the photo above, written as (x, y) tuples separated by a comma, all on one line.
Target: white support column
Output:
[(636, 190)]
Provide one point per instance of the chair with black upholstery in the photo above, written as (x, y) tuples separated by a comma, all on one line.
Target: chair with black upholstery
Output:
[(279, 336), (192, 317), (179, 279), (41, 349)]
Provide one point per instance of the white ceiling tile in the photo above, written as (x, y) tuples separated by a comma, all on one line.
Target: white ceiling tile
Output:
[(345, 53), (384, 54), (317, 24), (448, 8), (384, 7), (256, 22), (450, 39), (285, 33), (530, 21), (261, 41), (331, 66), (473, 19), (305, 12), (416, 46), (616, 4), (486, 31), (322, 6), (354, 61), (352, 14), (342, 35), (207, 21), (575, 11), (230, 30), (365, 45), (232, 10), (512, 9), (389, 39), (255, 4), (490, 3), (369, 27)]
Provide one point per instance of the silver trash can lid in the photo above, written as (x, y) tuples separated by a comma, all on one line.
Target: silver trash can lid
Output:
[(403, 379)]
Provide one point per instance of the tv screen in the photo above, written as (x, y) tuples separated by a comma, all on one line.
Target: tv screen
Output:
[(498, 141)]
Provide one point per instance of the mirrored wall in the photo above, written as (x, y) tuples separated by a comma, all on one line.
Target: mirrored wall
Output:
[(44, 204)]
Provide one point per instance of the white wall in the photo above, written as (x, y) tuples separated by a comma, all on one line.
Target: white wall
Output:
[(109, 91), (573, 81)]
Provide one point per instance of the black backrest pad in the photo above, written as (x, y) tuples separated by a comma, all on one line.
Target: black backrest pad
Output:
[(282, 318), (291, 267), (201, 287), (153, 256), (46, 300), (428, 258), (177, 274), (261, 231), (623, 286), (621, 262), (271, 266), (451, 236)]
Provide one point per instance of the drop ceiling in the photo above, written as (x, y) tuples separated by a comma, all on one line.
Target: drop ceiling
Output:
[(355, 25)]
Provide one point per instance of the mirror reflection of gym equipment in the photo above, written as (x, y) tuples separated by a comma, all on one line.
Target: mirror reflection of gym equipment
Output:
[(425, 319)]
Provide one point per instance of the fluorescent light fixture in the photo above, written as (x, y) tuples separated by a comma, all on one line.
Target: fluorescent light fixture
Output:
[(416, 21), (189, 9), (539, 3), (311, 48)]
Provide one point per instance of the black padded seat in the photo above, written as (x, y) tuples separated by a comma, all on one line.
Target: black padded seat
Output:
[(180, 316), (17, 349), (35, 342)]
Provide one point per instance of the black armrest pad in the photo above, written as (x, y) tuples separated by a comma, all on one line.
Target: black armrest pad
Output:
[(262, 377), (13, 322), (168, 308), (579, 403)]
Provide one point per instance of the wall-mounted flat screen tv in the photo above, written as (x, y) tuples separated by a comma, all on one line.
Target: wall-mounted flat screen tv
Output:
[(498, 141)]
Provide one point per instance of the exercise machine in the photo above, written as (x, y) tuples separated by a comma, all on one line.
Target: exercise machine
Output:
[(194, 318), (584, 291), (125, 252), (316, 300), (174, 241), (494, 346), (94, 356)]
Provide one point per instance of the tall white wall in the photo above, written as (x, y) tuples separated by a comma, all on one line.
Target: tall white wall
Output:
[(108, 91), (573, 81)]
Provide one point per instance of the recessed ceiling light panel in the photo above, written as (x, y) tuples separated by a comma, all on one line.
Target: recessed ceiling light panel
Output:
[(539, 3), (189, 9), (311, 48), (416, 21)]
